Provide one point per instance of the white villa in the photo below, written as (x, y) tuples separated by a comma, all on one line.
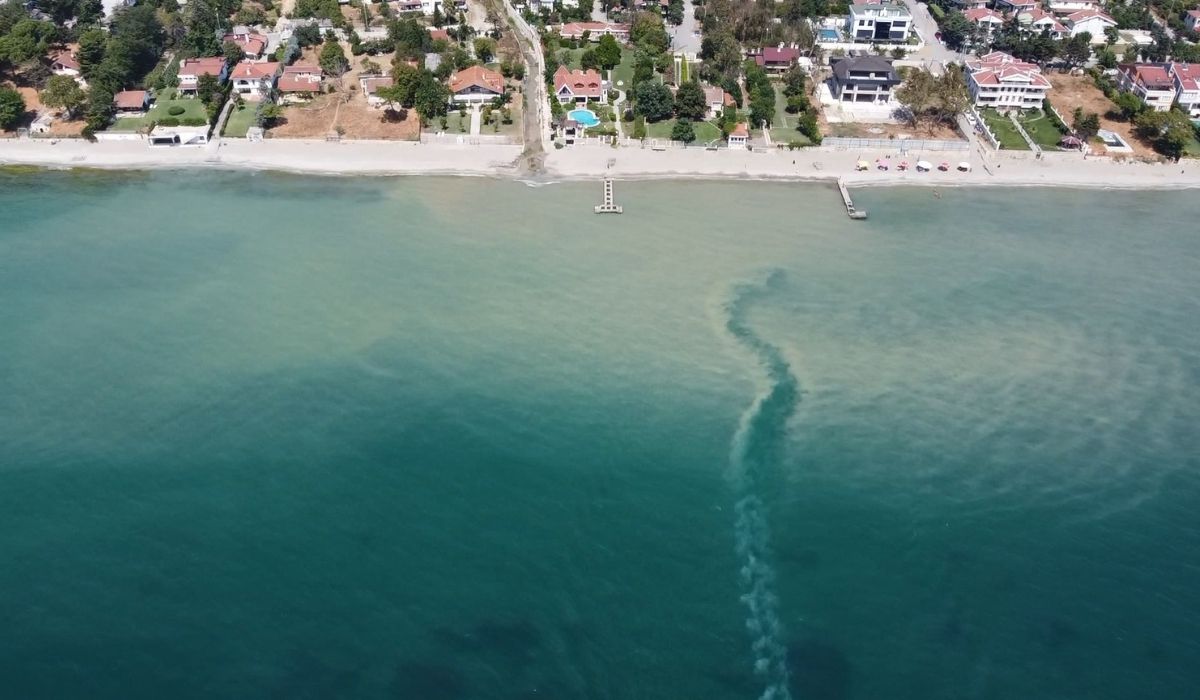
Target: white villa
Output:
[(882, 21), (1152, 82), (578, 86), (254, 81), (1001, 81), (1187, 87), (1092, 21)]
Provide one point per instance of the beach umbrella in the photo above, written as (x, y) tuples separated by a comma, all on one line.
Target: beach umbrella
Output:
[(944, 166), (904, 165), (924, 165), (862, 165), (964, 166), (1071, 142)]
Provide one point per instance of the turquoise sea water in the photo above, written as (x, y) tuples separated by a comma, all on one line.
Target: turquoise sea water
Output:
[(276, 437)]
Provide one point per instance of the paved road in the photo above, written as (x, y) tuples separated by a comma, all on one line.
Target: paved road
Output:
[(686, 37), (926, 26)]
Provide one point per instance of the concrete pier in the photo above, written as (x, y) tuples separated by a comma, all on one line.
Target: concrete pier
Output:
[(850, 210), (609, 207)]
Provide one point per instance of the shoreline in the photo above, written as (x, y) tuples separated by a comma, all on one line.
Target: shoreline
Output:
[(593, 162)]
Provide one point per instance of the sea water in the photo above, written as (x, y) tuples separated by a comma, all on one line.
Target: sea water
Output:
[(265, 436)]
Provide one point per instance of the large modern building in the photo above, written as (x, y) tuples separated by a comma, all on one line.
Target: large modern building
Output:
[(883, 21), (1001, 81), (863, 79), (1151, 82)]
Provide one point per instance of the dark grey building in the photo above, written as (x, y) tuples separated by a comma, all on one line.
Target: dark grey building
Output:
[(863, 79)]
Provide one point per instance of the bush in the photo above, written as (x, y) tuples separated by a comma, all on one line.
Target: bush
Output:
[(176, 110), (193, 121), (168, 121)]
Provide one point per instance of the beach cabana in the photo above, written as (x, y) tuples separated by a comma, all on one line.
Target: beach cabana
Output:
[(1071, 142)]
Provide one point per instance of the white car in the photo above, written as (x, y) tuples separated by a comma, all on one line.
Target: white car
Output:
[(970, 119)]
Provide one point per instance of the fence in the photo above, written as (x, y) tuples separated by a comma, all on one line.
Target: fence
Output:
[(468, 139), (982, 127), (902, 145)]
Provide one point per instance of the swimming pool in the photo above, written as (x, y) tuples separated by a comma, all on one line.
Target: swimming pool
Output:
[(827, 34), (584, 117)]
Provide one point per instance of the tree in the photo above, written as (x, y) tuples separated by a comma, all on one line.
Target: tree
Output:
[(308, 35), (232, 52), (683, 131), (431, 97), (588, 60), (1085, 125), (653, 100), (26, 41), (955, 29), (405, 81), (916, 93), (90, 12), (1078, 49), (794, 81), (62, 92), (333, 59), (92, 43), (608, 52), (647, 31), (207, 88), (100, 107), (269, 115), (690, 102), (202, 22), (485, 49), (12, 108)]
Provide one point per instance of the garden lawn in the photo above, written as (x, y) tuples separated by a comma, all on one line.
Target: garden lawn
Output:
[(240, 120), (783, 128), (623, 73), (192, 109), (1041, 129), (1004, 130), (705, 131)]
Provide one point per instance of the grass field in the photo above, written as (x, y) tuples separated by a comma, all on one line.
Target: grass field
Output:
[(783, 128), (705, 131), (1041, 129), (1004, 130), (166, 99), (240, 120)]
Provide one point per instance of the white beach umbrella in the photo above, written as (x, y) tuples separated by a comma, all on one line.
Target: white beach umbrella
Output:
[(964, 166), (924, 165)]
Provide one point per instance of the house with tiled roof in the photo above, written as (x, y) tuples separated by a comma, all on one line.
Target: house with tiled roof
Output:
[(964, 5), (1042, 23), (776, 59), (253, 45), (130, 103), (1191, 20), (65, 62), (1017, 6), (578, 86), (253, 80), (1092, 21), (299, 82), (594, 30), (1067, 7), (190, 70), (987, 20), (370, 85), (1151, 82), (717, 100), (740, 136), (475, 85), (998, 80), (1187, 87)]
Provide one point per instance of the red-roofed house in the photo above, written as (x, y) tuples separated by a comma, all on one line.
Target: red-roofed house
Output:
[(988, 21), (1187, 87), (1001, 81), (435, 34), (1151, 82), (252, 80), (66, 63), (740, 136), (131, 102), (1041, 22), (578, 86), (190, 70), (1018, 6), (717, 100), (254, 46), (1192, 20), (476, 85), (776, 59), (1092, 21), (594, 30), (299, 82)]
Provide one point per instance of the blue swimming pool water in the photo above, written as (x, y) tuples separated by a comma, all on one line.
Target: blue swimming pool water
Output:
[(585, 117), (830, 34)]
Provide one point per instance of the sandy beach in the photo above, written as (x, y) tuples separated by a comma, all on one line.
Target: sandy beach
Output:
[(592, 161)]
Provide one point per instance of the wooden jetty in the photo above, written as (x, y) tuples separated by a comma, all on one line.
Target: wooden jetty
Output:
[(609, 207), (850, 210)]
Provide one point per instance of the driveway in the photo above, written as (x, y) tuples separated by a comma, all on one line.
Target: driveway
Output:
[(476, 119), (926, 26), (686, 37)]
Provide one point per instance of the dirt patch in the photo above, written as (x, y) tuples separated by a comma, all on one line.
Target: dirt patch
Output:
[(1071, 91), (59, 127), (885, 131), (348, 114)]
